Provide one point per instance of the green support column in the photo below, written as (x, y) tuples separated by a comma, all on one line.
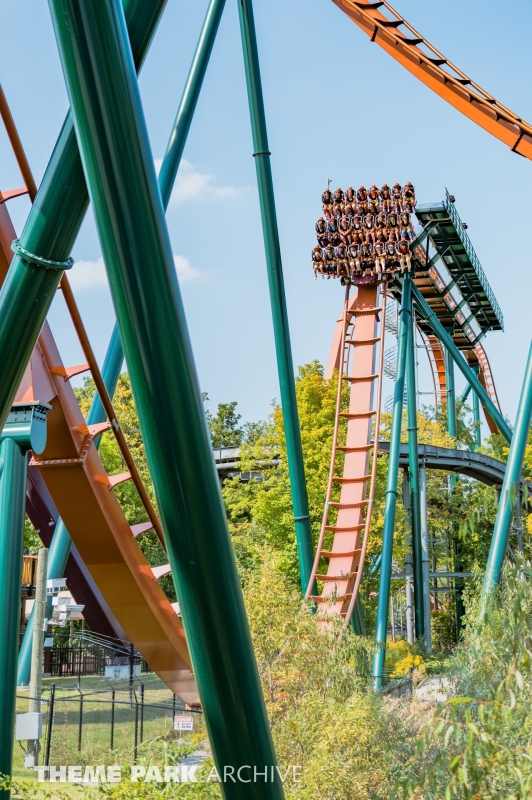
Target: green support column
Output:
[(451, 395), (452, 430), (61, 542), (510, 490), (476, 413), (120, 173), (413, 469), (277, 295), (189, 99), (51, 230), (391, 488), (25, 430), (427, 313), (465, 393)]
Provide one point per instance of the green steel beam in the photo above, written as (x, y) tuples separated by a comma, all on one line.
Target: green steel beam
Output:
[(391, 488), (118, 164), (51, 229), (451, 395), (25, 430), (61, 543), (413, 469), (510, 490), (452, 430), (476, 414), (189, 99), (277, 295), (465, 393), (427, 313)]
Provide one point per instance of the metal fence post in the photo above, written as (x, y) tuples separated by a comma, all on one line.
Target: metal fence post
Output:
[(112, 720), (80, 730), (141, 712), (51, 709), (135, 749)]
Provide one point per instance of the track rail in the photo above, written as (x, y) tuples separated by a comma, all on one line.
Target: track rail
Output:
[(358, 338), (400, 40)]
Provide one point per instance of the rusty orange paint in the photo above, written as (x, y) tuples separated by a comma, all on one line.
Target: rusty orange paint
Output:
[(438, 73)]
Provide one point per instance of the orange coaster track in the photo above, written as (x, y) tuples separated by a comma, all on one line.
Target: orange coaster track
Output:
[(357, 353), (382, 23)]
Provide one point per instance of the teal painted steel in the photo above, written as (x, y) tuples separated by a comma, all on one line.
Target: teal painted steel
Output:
[(189, 99), (61, 542), (510, 490), (461, 363), (391, 488), (51, 229), (277, 296), (28, 424), (452, 430), (413, 471), (119, 167), (465, 393), (451, 395), (476, 415)]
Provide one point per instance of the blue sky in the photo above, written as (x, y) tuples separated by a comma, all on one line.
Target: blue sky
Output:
[(337, 107)]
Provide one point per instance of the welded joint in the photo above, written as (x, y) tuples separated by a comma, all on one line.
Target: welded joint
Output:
[(301, 519), (262, 153)]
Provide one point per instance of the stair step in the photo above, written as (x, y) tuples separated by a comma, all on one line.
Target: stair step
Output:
[(318, 598), (361, 312), (346, 577), (363, 341), (353, 480), (359, 448), (122, 477), (358, 415), (349, 505), (158, 572), (142, 527), (359, 378), (342, 529), (332, 554), (100, 427)]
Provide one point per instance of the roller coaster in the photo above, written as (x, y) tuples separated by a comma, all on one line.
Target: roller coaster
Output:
[(200, 647)]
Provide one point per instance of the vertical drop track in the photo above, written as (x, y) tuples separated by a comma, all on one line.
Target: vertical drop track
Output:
[(355, 446)]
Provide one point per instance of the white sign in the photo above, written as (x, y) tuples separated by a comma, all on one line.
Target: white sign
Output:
[(183, 723)]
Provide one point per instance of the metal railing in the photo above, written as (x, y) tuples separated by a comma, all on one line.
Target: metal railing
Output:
[(466, 241)]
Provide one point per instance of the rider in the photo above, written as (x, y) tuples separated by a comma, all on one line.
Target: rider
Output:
[(404, 255), (386, 198), (345, 228), (321, 232), (373, 200), (409, 198), (317, 261), (362, 201), (338, 203), (327, 201), (334, 236)]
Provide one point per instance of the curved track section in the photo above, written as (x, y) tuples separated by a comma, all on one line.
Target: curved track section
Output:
[(83, 495), (357, 352), (400, 40)]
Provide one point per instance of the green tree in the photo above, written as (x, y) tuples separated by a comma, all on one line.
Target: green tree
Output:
[(224, 425)]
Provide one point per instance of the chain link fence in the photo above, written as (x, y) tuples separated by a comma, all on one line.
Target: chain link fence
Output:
[(106, 726)]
